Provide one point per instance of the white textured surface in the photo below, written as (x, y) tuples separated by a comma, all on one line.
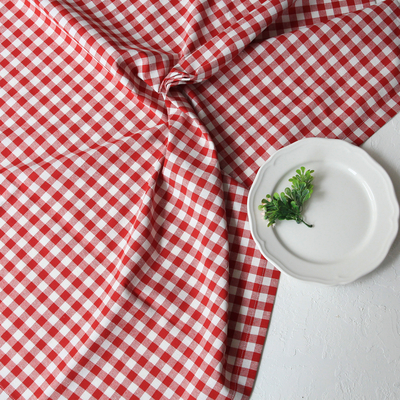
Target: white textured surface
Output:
[(342, 342)]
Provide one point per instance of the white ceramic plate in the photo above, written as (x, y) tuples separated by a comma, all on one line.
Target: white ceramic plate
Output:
[(353, 210)]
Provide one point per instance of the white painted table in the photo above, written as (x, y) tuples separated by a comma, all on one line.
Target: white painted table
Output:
[(342, 342)]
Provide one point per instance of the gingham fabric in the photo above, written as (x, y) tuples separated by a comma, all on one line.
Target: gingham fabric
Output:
[(130, 134)]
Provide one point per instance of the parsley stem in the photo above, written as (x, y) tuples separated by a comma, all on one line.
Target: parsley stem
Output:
[(305, 223)]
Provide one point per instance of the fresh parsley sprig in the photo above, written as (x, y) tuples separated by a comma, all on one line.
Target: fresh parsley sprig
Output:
[(288, 205)]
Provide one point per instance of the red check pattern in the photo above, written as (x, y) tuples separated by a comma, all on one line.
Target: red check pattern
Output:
[(130, 133)]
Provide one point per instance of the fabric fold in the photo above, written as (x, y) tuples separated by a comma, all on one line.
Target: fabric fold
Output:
[(224, 42), (188, 49)]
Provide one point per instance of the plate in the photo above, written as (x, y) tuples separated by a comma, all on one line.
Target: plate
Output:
[(353, 210)]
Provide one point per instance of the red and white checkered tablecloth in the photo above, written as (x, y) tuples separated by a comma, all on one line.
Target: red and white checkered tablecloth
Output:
[(130, 132)]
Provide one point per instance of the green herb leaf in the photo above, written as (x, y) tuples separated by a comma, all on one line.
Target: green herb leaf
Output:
[(288, 205)]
